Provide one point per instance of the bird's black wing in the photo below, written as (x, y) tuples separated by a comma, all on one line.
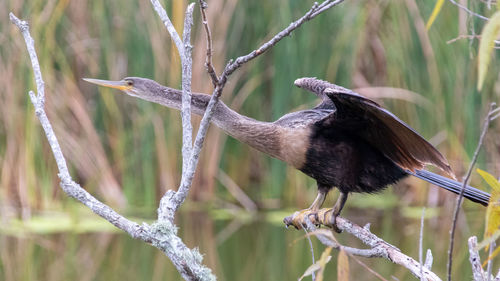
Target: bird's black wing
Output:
[(362, 117)]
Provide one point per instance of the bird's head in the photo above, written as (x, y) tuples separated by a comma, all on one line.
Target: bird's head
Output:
[(132, 86)]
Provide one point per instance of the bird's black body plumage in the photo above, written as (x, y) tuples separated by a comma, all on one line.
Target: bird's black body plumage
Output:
[(338, 159), (358, 146)]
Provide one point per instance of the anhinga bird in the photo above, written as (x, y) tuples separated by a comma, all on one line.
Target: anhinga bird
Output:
[(347, 141)]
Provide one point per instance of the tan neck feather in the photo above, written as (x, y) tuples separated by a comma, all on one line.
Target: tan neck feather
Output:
[(263, 136)]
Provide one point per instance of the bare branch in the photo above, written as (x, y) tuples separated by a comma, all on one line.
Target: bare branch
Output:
[(30, 44), (465, 181), (162, 235), (312, 13), (187, 65), (475, 260), (170, 204), (184, 48), (170, 27), (468, 11), (325, 6), (378, 247), (467, 36), (236, 192), (208, 61), (313, 275), (428, 259), (420, 242), (368, 268)]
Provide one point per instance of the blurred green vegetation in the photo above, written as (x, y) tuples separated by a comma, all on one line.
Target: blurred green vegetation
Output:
[(127, 152)]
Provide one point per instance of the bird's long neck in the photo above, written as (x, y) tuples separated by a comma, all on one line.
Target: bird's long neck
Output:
[(263, 136)]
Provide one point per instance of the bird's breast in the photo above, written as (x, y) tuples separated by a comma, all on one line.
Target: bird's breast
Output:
[(294, 143)]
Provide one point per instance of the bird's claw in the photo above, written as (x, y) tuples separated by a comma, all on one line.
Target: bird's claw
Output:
[(326, 217), (297, 220), (332, 220)]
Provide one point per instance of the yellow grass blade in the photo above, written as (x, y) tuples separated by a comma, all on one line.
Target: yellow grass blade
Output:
[(435, 13), (318, 266), (493, 210), (494, 254), (486, 44), (342, 266)]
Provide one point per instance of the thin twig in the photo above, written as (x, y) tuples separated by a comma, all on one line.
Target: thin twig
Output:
[(313, 275), (368, 268), (420, 243), (467, 36), (325, 6), (428, 259), (488, 268), (237, 192), (463, 36), (208, 61), (469, 11), (312, 13), (465, 181), (170, 27)]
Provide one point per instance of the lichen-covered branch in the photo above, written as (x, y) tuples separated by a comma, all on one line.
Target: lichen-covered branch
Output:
[(171, 201), (162, 234), (187, 70), (477, 270), (378, 247), (170, 27)]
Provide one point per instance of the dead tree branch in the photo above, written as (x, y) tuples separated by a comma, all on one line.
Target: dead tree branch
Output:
[(468, 11), (208, 61), (162, 234), (171, 200), (477, 270), (378, 247)]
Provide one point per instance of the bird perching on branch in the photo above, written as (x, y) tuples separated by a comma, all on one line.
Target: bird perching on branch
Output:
[(347, 141)]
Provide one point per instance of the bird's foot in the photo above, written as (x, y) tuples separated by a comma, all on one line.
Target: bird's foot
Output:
[(298, 218), (326, 217), (330, 219)]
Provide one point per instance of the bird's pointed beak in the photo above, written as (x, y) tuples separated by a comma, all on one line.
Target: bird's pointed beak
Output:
[(120, 85)]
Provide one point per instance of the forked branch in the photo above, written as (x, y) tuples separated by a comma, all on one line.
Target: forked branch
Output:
[(162, 234), (378, 247)]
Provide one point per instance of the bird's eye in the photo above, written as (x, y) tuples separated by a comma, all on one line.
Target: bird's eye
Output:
[(130, 83)]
